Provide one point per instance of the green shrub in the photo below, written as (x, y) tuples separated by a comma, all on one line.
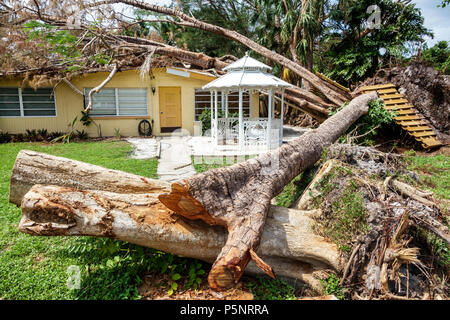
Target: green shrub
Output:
[(366, 128), (31, 135), (205, 118), (20, 137), (270, 289), (43, 134), (81, 135), (5, 137), (331, 286), (438, 56)]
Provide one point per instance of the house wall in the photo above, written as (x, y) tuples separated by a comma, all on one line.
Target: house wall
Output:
[(69, 103)]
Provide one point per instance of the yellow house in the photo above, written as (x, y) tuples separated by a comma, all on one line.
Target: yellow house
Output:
[(169, 99)]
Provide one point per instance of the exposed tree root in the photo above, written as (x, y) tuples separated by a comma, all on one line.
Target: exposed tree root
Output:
[(382, 263)]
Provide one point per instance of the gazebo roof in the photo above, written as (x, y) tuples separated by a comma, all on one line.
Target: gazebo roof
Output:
[(247, 73), (248, 63)]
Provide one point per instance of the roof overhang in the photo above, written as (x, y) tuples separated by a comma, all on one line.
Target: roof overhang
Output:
[(246, 79), (186, 73)]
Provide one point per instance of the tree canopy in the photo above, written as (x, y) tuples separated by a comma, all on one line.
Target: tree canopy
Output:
[(348, 40), (335, 37)]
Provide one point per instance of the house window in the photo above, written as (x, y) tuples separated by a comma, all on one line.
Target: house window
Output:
[(203, 102), (17, 102), (118, 102)]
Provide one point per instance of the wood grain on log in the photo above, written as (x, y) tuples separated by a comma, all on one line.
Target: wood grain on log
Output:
[(94, 201), (33, 168), (238, 197)]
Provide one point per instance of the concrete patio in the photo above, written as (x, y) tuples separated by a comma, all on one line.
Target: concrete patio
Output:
[(174, 152)]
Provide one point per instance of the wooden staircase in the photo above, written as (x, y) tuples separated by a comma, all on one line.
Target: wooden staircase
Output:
[(407, 117)]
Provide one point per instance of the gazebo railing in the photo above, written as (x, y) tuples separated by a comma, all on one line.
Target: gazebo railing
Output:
[(256, 132), (228, 130)]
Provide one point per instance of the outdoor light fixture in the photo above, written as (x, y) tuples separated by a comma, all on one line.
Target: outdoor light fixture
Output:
[(153, 90)]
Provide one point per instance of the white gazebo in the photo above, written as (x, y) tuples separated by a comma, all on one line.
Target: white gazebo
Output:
[(246, 74)]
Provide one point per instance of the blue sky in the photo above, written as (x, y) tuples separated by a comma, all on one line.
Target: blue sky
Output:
[(436, 19)]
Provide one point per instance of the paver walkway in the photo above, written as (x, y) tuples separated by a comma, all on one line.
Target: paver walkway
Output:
[(175, 161), (145, 148)]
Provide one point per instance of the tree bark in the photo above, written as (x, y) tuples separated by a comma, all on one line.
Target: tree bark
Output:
[(33, 168), (94, 201), (238, 197), (316, 112)]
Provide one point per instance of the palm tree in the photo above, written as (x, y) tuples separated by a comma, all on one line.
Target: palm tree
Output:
[(289, 27)]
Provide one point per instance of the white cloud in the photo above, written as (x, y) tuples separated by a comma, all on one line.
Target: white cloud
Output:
[(436, 19)]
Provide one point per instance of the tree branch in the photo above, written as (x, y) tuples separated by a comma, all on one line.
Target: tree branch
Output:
[(99, 87)]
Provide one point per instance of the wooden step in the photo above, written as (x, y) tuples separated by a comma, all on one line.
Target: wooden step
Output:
[(402, 106), (418, 128), (406, 111), (391, 96), (378, 87), (423, 134), (406, 115), (411, 123), (386, 91), (396, 101), (430, 142), (401, 118)]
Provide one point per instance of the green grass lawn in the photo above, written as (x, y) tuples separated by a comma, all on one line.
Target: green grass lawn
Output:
[(434, 172), (37, 267)]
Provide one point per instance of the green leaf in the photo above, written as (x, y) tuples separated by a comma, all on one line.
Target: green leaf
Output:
[(176, 277)]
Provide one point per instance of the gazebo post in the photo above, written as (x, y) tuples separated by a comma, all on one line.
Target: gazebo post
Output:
[(212, 115), (282, 114), (226, 103), (227, 125), (222, 101), (269, 119), (241, 121), (216, 121)]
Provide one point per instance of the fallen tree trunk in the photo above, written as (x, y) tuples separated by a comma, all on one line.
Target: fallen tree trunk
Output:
[(125, 206), (302, 105), (33, 168), (238, 197)]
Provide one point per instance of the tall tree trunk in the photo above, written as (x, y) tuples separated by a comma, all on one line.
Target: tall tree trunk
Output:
[(238, 197)]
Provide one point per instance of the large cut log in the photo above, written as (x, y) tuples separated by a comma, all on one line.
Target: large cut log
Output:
[(33, 168), (238, 197), (94, 201)]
